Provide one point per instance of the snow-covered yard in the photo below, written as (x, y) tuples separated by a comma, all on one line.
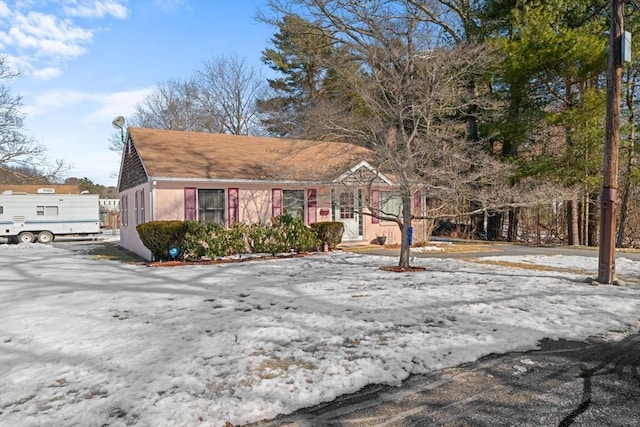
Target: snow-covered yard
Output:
[(89, 342)]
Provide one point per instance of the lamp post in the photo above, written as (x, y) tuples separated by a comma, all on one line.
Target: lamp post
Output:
[(606, 258)]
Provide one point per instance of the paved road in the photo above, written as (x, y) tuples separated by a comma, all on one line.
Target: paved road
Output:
[(592, 383)]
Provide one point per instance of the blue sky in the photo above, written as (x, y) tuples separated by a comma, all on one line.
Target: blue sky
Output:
[(84, 62)]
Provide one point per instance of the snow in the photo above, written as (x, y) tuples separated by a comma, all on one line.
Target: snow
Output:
[(93, 342)]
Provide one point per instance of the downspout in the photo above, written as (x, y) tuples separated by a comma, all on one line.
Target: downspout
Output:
[(153, 200)]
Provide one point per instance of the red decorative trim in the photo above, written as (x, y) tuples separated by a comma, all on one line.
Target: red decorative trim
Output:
[(276, 202), (417, 201), (312, 203), (190, 205), (375, 205), (233, 206)]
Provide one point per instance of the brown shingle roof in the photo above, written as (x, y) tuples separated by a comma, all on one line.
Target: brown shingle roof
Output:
[(194, 155)]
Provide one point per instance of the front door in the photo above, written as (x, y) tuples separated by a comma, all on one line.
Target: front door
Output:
[(346, 211)]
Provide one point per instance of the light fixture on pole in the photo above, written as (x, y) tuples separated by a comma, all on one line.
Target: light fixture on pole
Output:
[(118, 123)]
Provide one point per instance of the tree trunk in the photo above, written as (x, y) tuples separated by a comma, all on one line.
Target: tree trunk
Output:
[(494, 226), (512, 231), (592, 230), (624, 208), (572, 223), (405, 247)]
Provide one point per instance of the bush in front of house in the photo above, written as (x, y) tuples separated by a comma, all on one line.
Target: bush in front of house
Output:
[(160, 236), (329, 232), (212, 240), (284, 234), (296, 234), (263, 238)]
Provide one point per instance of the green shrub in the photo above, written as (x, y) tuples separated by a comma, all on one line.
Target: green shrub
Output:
[(283, 234), (160, 236), (264, 238), (297, 235), (329, 232), (212, 240)]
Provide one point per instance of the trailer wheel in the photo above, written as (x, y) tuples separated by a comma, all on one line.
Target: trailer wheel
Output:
[(45, 237), (26, 237)]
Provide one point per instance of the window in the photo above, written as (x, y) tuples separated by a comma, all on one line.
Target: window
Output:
[(46, 210), (1, 210), (346, 205), (124, 216), (139, 201), (211, 206), (293, 202), (390, 203)]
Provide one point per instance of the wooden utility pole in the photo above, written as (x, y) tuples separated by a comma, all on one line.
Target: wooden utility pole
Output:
[(606, 261)]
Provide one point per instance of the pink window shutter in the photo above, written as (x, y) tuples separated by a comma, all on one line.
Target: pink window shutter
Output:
[(233, 206), (190, 204), (312, 203), (417, 201), (276, 202), (375, 205)]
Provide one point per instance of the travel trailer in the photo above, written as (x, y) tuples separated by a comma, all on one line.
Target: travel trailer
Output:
[(43, 216)]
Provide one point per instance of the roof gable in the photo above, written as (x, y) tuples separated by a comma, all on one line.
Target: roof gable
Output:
[(363, 173), (166, 154)]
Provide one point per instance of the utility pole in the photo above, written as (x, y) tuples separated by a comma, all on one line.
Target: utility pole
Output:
[(606, 260)]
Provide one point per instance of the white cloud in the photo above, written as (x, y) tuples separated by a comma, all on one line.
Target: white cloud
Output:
[(44, 40), (98, 106), (119, 104), (97, 9), (47, 35), (5, 12), (48, 73), (53, 100), (169, 6)]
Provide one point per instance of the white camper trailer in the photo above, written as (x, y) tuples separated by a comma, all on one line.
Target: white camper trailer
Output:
[(42, 216)]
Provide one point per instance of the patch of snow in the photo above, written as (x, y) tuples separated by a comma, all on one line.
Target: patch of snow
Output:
[(89, 342)]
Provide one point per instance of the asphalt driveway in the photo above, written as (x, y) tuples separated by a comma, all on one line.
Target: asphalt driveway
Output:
[(564, 383), (591, 383)]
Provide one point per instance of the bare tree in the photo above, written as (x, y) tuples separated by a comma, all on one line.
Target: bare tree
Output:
[(412, 106), (221, 98), (22, 159), (229, 87), (177, 105)]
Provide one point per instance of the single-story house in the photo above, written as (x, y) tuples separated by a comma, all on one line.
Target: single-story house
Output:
[(177, 175)]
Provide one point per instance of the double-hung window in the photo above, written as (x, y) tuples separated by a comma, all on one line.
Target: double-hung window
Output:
[(390, 203), (211, 205), (293, 202)]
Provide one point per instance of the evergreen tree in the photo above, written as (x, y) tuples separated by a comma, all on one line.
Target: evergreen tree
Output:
[(300, 54)]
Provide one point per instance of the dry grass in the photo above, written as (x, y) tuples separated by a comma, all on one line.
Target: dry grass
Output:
[(527, 266), (444, 247), (111, 251), (274, 367)]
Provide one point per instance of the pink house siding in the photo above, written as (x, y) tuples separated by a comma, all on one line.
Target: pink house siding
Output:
[(174, 175), (130, 217), (168, 201)]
